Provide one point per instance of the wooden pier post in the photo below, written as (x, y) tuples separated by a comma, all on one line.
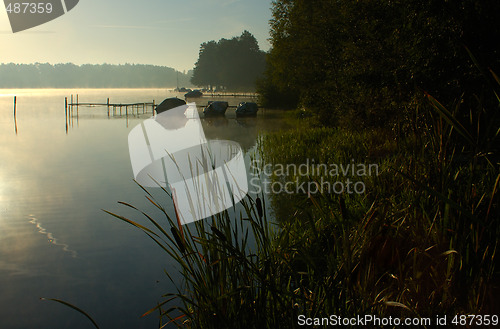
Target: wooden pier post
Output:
[(66, 113), (126, 113), (71, 102), (15, 114)]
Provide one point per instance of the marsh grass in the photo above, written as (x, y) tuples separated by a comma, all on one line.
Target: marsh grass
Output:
[(423, 239), (234, 272)]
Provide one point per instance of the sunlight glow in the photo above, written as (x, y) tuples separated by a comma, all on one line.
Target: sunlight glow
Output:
[(4, 21)]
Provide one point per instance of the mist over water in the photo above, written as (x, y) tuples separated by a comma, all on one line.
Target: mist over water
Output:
[(56, 176)]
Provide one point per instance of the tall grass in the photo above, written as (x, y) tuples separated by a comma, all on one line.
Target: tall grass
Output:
[(236, 273), (423, 239), (425, 235)]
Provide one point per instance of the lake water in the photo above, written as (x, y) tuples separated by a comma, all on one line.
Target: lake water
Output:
[(56, 177)]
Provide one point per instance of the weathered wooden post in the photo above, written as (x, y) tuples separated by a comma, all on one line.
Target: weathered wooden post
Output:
[(15, 118)]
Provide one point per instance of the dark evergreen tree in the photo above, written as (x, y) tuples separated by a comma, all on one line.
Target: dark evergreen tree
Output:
[(367, 60), (234, 64)]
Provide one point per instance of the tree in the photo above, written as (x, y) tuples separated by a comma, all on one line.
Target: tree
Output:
[(366, 61), (234, 63), (44, 75)]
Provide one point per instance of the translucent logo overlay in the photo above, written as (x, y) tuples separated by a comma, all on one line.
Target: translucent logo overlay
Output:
[(25, 14), (170, 150)]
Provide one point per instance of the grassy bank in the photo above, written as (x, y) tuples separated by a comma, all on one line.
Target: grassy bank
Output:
[(423, 237), (420, 241)]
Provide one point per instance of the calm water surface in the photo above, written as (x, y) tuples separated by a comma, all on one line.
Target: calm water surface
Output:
[(55, 179)]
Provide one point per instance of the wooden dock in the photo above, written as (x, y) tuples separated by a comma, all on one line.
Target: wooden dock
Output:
[(243, 95), (112, 108), (131, 109)]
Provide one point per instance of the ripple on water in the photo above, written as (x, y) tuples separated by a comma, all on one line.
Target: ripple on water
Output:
[(50, 237)]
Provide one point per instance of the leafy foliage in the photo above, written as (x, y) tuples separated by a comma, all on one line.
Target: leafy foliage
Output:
[(229, 63), (364, 62), (425, 234)]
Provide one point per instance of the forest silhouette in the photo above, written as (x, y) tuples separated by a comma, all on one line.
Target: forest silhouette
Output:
[(68, 75)]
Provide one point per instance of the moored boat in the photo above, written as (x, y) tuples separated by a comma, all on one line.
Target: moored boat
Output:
[(215, 108)]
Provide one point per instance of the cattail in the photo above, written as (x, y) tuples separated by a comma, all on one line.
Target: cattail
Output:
[(258, 203), (219, 234), (178, 240), (343, 208)]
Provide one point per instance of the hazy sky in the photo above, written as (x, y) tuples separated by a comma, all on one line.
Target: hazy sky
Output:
[(160, 32)]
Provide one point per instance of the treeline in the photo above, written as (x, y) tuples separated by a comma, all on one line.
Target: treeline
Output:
[(44, 75), (365, 62), (232, 64)]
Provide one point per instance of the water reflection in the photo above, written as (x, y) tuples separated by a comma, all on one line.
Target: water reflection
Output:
[(50, 236), (63, 181), (249, 122), (216, 121)]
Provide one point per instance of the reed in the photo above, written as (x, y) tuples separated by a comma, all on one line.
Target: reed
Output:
[(421, 241), (235, 267)]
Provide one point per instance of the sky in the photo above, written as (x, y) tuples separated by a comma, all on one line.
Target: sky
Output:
[(158, 32)]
